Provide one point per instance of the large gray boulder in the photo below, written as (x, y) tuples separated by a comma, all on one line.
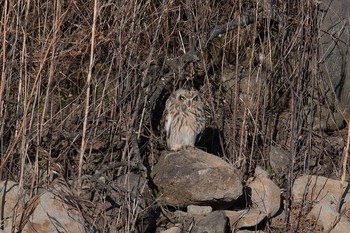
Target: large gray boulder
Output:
[(265, 194), (195, 177), (334, 47), (54, 210), (11, 204), (325, 196)]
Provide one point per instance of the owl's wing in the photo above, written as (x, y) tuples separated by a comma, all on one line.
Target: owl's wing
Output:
[(164, 126), (200, 132), (167, 124), (202, 121)]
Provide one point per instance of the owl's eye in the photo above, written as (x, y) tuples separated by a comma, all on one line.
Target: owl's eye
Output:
[(195, 98), (181, 97)]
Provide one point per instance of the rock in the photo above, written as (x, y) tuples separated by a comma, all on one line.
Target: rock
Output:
[(325, 120), (214, 222), (193, 210), (334, 55), (247, 231), (279, 160), (11, 201), (245, 218), (179, 213), (279, 220), (133, 185), (172, 230), (192, 176), (53, 211), (265, 198), (326, 214), (247, 87), (265, 194), (318, 188), (130, 193), (326, 193)]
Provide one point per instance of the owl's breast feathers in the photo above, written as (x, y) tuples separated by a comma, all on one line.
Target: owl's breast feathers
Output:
[(184, 118)]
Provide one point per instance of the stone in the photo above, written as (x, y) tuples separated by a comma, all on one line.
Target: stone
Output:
[(11, 201), (334, 48), (265, 194), (247, 87), (326, 214), (244, 218), (325, 120), (326, 193), (214, 222), (172, 230), (193, 210), (180, 213), (248, 231), (133, 185), (318, 188), (279, 159), (130, 193), (279, 220), (53, 211), (192, 176)]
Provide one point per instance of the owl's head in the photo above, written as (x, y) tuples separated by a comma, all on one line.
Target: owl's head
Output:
[(187, 98)]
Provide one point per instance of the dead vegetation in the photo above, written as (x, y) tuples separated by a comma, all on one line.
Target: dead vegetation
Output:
[(83, 87)]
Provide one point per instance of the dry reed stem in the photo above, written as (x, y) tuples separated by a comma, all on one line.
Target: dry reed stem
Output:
[(3, 74), (27, 105), (345, 161), (87, 96)]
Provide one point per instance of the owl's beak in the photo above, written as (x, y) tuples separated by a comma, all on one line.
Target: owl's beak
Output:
[(188, 103)]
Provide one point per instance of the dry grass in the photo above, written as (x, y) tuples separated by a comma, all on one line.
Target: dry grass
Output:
[(83, 87)]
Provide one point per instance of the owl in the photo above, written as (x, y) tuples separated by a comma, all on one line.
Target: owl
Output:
[(184, 118)]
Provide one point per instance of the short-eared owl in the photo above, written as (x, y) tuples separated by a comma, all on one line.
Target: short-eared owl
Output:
[(184, 118)]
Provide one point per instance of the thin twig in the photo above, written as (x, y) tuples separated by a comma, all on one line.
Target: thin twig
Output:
[(3, 76), (87, 97), (140, 100), (13, 144), (345, 161), (233, 24)]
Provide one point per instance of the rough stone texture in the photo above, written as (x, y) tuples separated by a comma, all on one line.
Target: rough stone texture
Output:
[(279, 159), (244, 218), (10, 199), (326, 214), (135, 186), (265, 197), (172, 230), (130, 193), (53, 211), (325, 120), (193, 176), (318, 188), (193, 210), (279, 219), (247, 231), (265, 194), (334, 46), (247, 87), (326, 193), (214, 222), (180, 213)]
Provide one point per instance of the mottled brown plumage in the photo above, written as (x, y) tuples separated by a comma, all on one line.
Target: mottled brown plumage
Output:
[(184, 118)]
